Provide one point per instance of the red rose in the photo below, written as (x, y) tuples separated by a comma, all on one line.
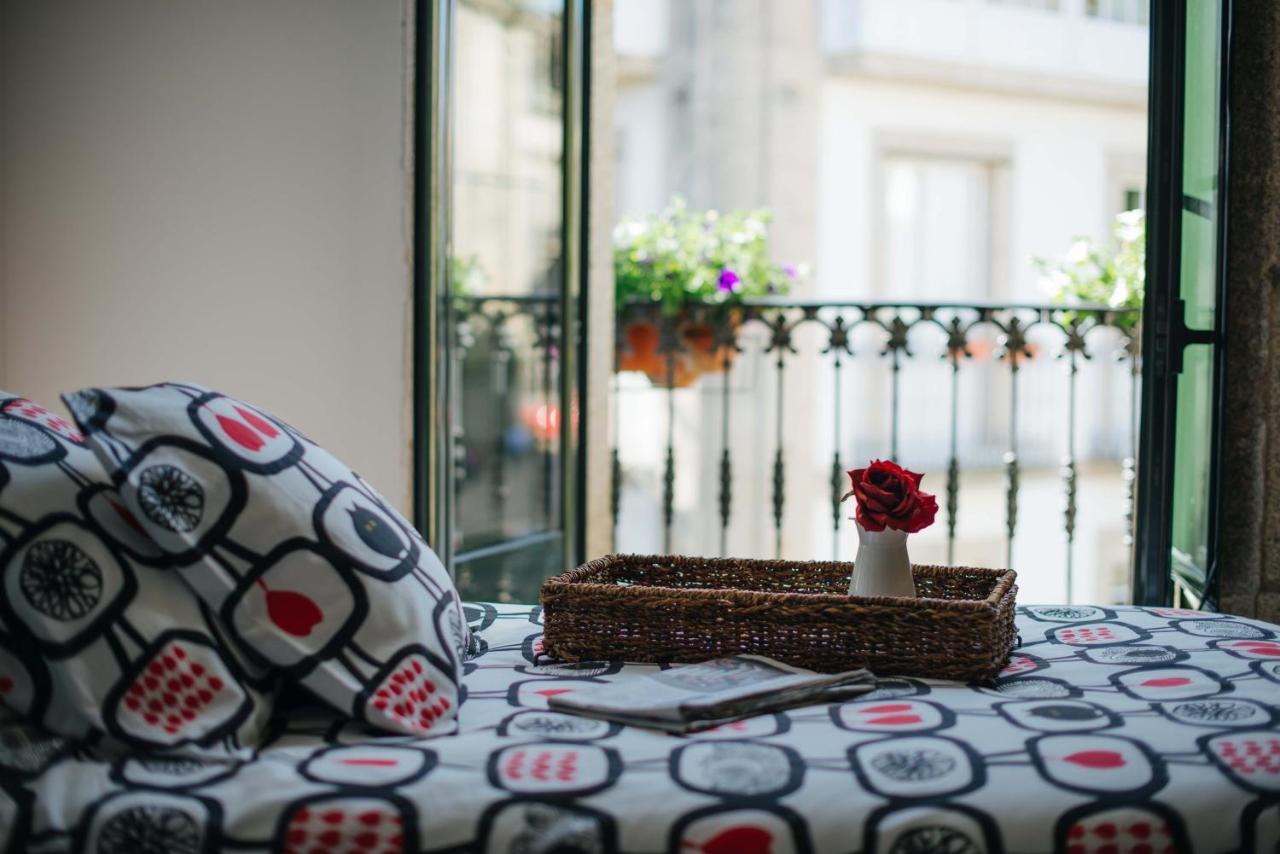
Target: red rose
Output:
[(889, 496)]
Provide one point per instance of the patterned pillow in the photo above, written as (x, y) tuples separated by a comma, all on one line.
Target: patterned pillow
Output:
[(312, 571), (95, 639)]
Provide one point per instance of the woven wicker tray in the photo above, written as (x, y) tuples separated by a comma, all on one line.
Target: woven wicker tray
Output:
[(655, 609)]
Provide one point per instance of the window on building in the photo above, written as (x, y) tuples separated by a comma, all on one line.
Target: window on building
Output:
[(948, 205)]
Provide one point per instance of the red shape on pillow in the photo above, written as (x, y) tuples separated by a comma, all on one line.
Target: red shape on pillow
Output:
[(736, 840), (257, 422), (294, 612), (242, 434), (1096, 759)]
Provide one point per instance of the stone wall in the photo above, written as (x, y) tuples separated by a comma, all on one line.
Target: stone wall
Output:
[(1250, 544)]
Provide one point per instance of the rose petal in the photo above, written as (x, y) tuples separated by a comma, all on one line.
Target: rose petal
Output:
[(926, 510), (870, 521), (906, 507), (888, 491), (878, 497)]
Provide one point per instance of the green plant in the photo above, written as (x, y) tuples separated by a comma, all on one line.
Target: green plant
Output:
[(467, 277), (678, 256), (1113, 275)]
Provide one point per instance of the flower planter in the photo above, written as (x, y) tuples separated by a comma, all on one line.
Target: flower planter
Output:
[(702, 264), (700, 354), (700, 338), (641, 354)]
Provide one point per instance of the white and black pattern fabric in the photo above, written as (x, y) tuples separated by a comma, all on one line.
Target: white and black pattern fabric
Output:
[(1113, 730), (312, 571), (95, 638)]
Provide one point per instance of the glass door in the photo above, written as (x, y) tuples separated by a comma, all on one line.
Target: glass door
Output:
[(1178, 477), (500, 419), (1195, 442)]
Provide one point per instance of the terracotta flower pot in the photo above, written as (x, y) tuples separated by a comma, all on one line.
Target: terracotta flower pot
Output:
[(700, 354), (641, 354), (705, 356)]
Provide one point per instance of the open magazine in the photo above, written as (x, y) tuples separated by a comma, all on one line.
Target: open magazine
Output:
[(691, 697)]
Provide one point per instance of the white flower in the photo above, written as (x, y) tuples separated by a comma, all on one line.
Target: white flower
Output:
[(1120, 292), (1129, 225), (629, 231), (1054, 281), (1079, 251)]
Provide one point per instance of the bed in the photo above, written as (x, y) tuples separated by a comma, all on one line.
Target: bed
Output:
[(1112, 729)]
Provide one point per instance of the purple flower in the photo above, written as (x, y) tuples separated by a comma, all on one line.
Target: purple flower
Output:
[(790, 270), (729, 280)]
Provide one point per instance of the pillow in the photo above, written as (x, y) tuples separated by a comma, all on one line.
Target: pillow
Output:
[(95, 639), (311, 570)]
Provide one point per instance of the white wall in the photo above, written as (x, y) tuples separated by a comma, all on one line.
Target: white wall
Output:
[(1059, 156), (641, 27), (641, 127), (216, 192), (999, 46)]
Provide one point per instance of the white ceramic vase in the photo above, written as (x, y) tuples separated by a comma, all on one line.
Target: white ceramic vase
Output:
[(882, 567)]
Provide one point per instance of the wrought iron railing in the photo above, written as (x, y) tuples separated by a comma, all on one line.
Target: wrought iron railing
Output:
[(506, 346), (505, 415), (714, 336)]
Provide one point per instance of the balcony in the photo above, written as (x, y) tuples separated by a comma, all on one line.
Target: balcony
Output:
[(1073, 49)]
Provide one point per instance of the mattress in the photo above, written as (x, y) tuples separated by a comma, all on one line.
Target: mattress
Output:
[(1112, 729)]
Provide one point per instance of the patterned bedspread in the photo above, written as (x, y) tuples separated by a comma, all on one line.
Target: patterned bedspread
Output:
[(1112, 730)]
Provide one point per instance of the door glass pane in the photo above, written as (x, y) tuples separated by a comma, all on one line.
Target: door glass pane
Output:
[(1191, 469), (1199, 267), (505, 281), (1200, 162)]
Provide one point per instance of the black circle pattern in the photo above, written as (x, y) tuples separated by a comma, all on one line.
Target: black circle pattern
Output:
[(170, 498), (934, 840), (147, 829), (1212, 711), (22, 441), (913, 765), (59, 580)]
